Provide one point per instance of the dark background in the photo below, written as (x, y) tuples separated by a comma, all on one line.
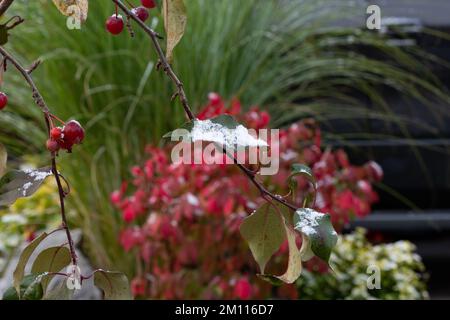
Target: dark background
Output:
[(417, 168)]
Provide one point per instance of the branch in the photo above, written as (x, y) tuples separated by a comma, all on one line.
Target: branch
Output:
[(39, 100), (182, 95), (4, 5)]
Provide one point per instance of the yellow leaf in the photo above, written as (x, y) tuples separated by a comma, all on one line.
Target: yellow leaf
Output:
[(70, 7), (175, 18)]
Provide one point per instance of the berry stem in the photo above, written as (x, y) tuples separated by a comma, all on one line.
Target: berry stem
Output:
[(164, 64), (56, 118)]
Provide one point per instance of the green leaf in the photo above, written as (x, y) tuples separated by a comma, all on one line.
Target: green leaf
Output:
[(10, 294), (304, 171), (21, 183), (3, 159), (114, 285), (175, 18), (223, 130), (264, 232), (30, 289), (318, 229), (23, 259), (51, 260), (3, 34), (60, 292), (34, 291)]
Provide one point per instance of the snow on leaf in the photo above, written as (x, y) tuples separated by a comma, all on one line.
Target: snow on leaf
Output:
[(319, 231), (21, 183), (223, 130)]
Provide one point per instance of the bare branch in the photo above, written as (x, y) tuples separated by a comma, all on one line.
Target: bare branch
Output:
[(4, 5)]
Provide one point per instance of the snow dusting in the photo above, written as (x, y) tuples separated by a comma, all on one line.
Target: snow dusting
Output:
[(206, 130), (25, 188), (37, 175), (309, 222)]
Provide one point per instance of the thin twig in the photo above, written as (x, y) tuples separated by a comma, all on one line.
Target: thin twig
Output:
[(164, 64)]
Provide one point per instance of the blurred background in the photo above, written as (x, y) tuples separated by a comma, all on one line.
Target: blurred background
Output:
[(350, 99)]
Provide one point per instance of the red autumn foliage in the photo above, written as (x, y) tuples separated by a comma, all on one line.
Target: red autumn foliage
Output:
[(182, 221)]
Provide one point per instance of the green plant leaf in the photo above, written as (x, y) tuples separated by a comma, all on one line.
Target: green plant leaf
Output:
[(51, 260), (115, 285), (223, 130), (294, 267), (175, 18), (21, 183), (304, 171), (60, 292), (23, 259), (3, 35), (318, 229), (264, 232), (34, 291), (30, 289), (3, 159), (10, 294)]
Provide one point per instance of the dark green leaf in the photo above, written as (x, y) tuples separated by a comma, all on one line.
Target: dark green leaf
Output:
[(21, 183), (30, 289), (318, 229), (114, 285), (23, 259), (10, 294), (34, 291), (264, 232), (3, 35), (51, 260)]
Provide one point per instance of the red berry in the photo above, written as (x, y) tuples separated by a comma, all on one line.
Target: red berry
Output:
[(141, 13), (114, 24), (66, 145), (73, 132), (3, 100), (148, 3), (52, 145), (56, 133)]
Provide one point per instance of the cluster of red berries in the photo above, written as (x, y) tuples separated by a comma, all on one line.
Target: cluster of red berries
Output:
[(64, 138), (115, 23), (3, 100)]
